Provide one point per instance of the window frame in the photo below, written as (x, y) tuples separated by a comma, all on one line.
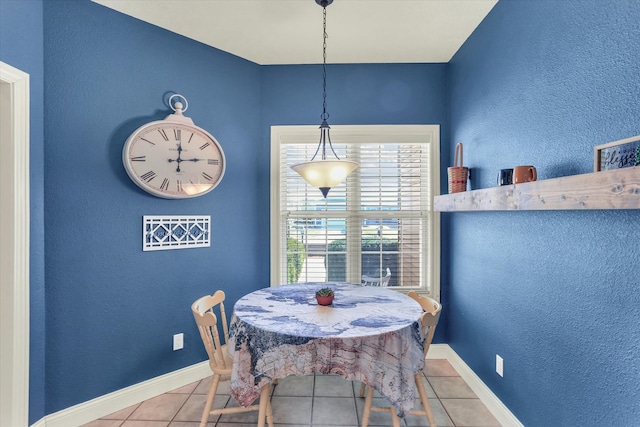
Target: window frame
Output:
[(428, 134)]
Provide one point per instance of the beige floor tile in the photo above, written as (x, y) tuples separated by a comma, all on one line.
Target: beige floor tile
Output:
[(451, 388), (291, 410), (375, 418), (193, 407), (241, 417), (134, 423), (333, 386), (439, 368), (356, 386), (334, 411), (103, 423), (193, 424), (187, 389), (122, 414), (439, 414), (430, 393), (203, 388), (243, 425), (336, 402), (384, 419), (159, 408), (224, 387), (469, 413), (294, 386)]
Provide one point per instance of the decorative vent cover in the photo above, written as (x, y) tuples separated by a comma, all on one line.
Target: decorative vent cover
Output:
[(164, 232)]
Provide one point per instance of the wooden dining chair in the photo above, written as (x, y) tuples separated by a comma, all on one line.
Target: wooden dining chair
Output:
[(220, 361), (428, 323), (372, 281), (433, 308)]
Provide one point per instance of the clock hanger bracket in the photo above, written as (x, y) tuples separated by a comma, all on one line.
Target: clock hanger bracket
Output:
[(176, 106)]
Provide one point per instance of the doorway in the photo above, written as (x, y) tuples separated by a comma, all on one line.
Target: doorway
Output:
[(14, 246)]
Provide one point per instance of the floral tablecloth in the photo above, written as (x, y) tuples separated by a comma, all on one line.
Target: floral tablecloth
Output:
[(368, 334)]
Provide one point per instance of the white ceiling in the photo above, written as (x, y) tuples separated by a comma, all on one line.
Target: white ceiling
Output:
[(290, 31)]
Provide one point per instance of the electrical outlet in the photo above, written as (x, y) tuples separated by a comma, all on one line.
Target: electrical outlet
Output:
[(499, 365), (178, 342)]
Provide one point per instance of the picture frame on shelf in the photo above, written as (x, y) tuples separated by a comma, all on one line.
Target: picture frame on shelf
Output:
[(620, 154)]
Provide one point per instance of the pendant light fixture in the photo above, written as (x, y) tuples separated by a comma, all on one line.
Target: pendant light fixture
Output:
[(325, 173)]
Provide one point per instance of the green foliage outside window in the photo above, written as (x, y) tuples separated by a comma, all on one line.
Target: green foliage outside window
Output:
[(296, 255)]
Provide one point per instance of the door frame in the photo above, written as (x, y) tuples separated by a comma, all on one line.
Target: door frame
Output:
[(14, 247)]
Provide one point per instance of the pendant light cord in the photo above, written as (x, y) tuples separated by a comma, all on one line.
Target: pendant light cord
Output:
[(324, 115), (324, 127), (324, 174)]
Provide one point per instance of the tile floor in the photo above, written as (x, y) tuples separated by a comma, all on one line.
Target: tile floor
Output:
[(317, 401)]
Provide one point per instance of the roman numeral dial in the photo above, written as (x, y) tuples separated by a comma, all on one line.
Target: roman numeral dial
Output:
[(173, 158)]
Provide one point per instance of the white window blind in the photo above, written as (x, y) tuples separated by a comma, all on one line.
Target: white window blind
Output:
[(379, 221)]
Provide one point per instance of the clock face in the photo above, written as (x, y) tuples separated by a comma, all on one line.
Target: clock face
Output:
[(173, 160)]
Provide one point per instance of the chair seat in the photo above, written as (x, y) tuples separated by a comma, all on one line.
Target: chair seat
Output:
[(228, 362)]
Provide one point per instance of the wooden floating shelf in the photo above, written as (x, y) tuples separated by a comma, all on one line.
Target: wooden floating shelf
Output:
[(613, 189)]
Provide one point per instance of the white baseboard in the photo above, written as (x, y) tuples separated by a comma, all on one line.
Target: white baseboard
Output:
[(83, 413), (486, 396), (42, 422), (112, 402)]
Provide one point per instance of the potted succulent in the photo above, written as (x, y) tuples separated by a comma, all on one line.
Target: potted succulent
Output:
[(324, 296)]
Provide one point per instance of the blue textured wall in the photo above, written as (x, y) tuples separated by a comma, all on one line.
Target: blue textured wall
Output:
[(361, 94), (21, 46), (112, 309), (539, 82), (107, 74), (554, 293)]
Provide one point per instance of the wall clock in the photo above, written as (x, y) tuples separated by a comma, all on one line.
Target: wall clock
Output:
[(173, 158)]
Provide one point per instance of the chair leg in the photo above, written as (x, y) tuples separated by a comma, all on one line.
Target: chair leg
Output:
[(363, 387), (269, 410), (425, 400), (264, 406), (394, 417), (210, 396), (367, 407)]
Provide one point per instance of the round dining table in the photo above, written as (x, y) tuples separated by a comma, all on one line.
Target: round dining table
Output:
[(369, 334)]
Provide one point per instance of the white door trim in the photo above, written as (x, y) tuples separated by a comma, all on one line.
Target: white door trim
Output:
[(14, 246)]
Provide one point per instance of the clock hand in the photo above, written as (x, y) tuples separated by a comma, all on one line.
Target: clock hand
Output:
[(178, 160)]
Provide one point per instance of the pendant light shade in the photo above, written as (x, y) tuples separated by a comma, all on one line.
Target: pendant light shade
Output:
[(325, 173)]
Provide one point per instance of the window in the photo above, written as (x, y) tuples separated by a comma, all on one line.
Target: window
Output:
[(380, 220)]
